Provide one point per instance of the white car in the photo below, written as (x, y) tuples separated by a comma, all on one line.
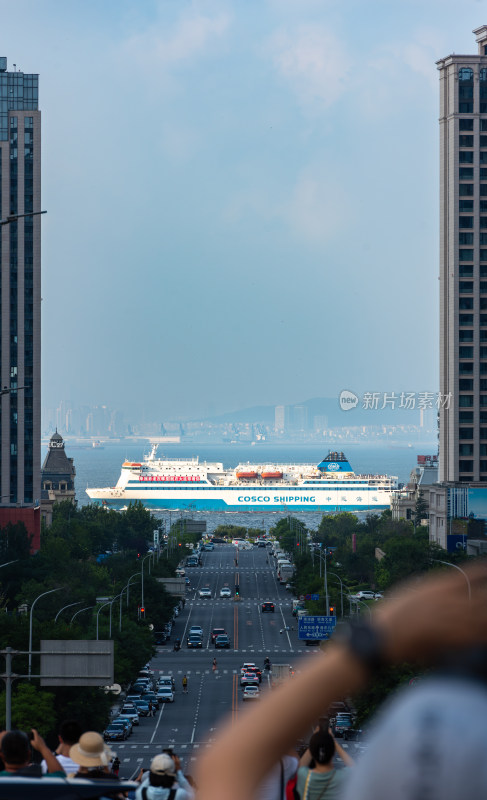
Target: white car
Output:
[(165, 694), (366, 595), (196, 630), (251, 693), (225, 592), (205, 592)]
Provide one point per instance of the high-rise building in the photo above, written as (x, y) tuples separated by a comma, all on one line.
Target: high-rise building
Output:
[(20, 268), (463, 265)]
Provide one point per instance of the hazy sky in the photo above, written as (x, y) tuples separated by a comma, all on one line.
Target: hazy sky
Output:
[(242, 196)]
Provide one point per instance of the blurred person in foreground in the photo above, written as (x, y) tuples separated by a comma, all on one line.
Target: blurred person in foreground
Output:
[(164, 780), (69, 732), (317, 776), (16, 754), (422, 623)]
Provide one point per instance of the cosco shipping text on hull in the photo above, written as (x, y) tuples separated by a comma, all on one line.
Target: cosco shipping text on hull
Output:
[(188, 484)]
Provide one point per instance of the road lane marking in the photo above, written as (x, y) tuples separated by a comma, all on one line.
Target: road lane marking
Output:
[(158, 721)]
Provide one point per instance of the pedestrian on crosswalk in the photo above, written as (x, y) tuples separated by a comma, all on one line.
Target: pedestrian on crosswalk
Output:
[(151, 709), (185, 685)]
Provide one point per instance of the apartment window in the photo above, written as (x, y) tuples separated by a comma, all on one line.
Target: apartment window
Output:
[(483, 286), (483, 384), (465, 466), (466, 287), (465, 238), (467, 141), (465, 270), (483, 466), (483, 238), (465, 336), (483, 125), (483, 352), (465, 108), (483, 272), (465, 352), (466, 255), (465, 303), (465, 189), (467, 125), (483, 157), (467, 205), (465, 449), (465, 416), (466, 222), (482, 222), (467, 319), (483, 400), (465, 385), (483, 433), (465, 368), (465, 173), (465, 400), (483, 319), (482, 141)]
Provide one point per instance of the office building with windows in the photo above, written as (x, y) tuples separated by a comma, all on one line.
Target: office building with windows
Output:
[(20, 299)]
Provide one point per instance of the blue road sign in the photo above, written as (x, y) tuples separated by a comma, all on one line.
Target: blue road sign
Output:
[(316, 627)]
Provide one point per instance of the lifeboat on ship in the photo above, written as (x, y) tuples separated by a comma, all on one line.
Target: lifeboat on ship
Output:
[(271, 475), (247, 475)]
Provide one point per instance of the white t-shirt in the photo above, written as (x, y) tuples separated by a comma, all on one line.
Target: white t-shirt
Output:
[(270, 788), (67, 764)]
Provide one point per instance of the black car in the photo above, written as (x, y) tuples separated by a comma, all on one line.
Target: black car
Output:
[(268, 608), (222, 641), (194, 641), (115, 732)]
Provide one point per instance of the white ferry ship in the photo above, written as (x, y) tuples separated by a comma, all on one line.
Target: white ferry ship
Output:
[(185, 484)]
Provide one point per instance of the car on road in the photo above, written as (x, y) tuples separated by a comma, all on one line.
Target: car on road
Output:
[(249, 679), (268, 607), (150, 697), (225, 592), (165, 694), (142, 707), (222, 641), (115, 732), (131, 713), (255, 671), (365, 595), (194, 641), (343, 724), (125, 721), (195, 629), (251, 692), (209, 546), (246, 666), (217, 632), (205, 592), (187, 581)]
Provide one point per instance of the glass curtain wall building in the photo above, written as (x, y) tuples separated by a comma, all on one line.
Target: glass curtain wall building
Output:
[(463, 265), (20, 291)]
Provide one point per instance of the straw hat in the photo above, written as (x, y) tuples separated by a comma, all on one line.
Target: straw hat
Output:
[(91, 751)]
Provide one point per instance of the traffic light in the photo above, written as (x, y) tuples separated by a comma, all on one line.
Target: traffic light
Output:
[(333, 611), (138, 555), (237, 589), (142, 611)]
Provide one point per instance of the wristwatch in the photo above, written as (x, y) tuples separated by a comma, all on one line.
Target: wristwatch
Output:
[(365, 643)]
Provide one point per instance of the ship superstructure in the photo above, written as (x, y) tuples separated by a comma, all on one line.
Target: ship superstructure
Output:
[(207, 486)]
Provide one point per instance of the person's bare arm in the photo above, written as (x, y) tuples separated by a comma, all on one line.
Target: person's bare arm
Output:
[(341, 753), (39, 744), (423, 619)]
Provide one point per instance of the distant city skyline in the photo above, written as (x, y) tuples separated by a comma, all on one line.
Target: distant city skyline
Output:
[(242, 197)]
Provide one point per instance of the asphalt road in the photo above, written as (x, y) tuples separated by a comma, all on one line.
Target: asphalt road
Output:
[(191, 722)]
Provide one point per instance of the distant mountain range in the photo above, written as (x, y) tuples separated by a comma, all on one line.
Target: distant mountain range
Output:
[(329, 408)]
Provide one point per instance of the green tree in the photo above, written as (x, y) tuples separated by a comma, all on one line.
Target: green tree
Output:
[(31, 708)]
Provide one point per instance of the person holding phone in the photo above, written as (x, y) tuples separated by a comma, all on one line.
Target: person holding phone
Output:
[(317, 776)]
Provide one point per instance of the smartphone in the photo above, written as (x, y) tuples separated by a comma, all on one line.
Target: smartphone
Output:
[(324, 723)]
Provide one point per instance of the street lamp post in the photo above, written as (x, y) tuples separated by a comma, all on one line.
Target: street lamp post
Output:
[(80, 612), (68, 606), (30, 625), (15, 217), (128, 584), (98, 615), (142, 592), (323, 558), (341, 589)]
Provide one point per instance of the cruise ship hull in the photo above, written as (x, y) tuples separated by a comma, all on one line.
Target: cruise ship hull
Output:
[(248, 498)]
